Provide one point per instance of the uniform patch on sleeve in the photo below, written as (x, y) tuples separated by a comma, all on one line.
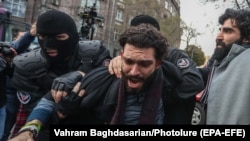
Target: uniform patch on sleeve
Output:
[(23, 97), (183, 63)]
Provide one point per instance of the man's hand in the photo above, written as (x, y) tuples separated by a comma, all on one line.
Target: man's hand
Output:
[(33, 29), (24, 136), (115, 66), (70, 102), (64, 84)]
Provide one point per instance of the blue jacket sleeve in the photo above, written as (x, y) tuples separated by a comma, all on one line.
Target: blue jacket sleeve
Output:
[(44, 110), (23, 43)]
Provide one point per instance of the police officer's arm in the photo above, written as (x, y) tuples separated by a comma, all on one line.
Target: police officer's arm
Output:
[(64, 84), (93, 85), (44, 111), (192, 82), (71, 101)]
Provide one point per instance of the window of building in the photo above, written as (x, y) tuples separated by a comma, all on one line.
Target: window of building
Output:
[(55, 2), (173, 12), (16, 7), (171, 9), (116, 35), (119, 15), (90, 3), (166, 4)]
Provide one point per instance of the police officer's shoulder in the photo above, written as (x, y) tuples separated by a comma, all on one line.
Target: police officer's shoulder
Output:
[(89, 47), (176, 52), (30, 62), (179, 57), (172, 50)]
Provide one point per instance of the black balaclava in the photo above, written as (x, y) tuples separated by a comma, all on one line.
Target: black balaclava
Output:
[(52, 23)]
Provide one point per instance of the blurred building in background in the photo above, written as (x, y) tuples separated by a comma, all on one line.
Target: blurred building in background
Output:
[(99, 19)]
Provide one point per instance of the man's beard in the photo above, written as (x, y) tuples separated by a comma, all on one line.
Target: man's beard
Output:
[(221, 52), (146, 82)]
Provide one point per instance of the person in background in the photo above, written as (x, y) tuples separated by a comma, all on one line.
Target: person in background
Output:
[(21, 42), (6, 55), (2, 95), (227, 94), (192, 83), (60, 52), (138, 97)]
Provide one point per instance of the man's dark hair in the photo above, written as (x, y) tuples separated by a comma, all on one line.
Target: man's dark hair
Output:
[(242, 20), (145, 36), (144, 19)]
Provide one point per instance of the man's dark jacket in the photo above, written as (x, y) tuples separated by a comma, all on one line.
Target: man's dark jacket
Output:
[(100, 100)]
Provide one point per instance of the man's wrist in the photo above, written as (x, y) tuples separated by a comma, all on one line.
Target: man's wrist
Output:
[(33, 127)]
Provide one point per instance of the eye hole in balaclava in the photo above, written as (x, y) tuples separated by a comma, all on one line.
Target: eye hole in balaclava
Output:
[(49, 25)]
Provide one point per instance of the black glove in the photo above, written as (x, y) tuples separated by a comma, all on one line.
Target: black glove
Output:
[(66, 82), (69, 104)]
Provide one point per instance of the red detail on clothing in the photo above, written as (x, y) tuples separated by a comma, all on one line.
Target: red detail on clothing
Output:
[(20, 119)]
